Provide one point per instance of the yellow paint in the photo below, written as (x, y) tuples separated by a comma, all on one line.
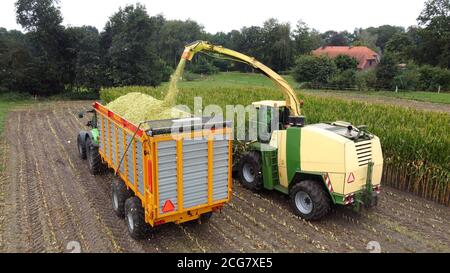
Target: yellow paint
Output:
[(116, 143), (103, 130), (291, 102), (282, 168), (180, 174), (133, 149), (269, 103), (323, 151), (230, 164), (210, 170), (150, 199), (109, 139), (125, 158), (155, 176)]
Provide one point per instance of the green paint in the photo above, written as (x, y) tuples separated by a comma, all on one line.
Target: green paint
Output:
[(281, 189), (365, 196), (95, 135), (269, 164), (337, 198), (292, 152)]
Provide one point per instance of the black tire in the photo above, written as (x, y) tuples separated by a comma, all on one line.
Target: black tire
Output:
[(81, 147), (119, 195), (205, 217), (135, 218), (250, 172), (309, 200), (93, 157)]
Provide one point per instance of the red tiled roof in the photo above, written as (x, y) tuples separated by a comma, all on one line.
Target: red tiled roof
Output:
[(361, 53)]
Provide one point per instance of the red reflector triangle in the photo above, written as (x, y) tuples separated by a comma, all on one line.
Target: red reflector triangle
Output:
[(168, 206), (351, 178)]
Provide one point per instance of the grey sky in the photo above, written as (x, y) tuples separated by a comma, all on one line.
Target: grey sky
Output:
[(234, 14)]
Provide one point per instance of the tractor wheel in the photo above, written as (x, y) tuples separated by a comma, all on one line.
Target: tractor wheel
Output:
[(93, 157), (120, 194), (309, 200), (135, 217), (250, 172), (81, 147)]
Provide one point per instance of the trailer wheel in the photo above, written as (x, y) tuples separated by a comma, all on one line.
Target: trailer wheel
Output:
[(309, 200), (250, 172), (120, 194), (135, 218), (93, 157), (81, 147), (205, 217)]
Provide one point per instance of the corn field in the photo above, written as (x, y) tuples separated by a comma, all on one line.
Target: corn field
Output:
[(416, 144)]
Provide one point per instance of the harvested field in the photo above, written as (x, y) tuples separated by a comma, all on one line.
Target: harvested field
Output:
[(48, 199)]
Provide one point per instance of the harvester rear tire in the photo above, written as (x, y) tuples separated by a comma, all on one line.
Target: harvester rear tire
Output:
[(81, 147), (135, 218), (250, 171), (309, 200), (119, 194), (93, 157)]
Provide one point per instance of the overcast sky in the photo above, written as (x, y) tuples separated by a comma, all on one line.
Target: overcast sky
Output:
[(234, 14)]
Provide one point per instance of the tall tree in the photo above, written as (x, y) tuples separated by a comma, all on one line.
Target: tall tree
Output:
[(384, 33), (175, 34), (278, 48), (85, 44), (42, 18), (131, 56), (363, 37), (306, 39), (401, 46), (435, 36), (386, 71), (334, 38)]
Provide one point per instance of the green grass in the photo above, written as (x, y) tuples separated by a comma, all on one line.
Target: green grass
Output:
[(7, 102), (432, 97), (417, 95), (230, 79)]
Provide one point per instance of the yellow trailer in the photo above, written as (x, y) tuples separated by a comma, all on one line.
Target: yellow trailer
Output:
[(166, 175)]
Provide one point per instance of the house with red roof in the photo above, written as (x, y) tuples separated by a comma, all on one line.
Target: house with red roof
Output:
[(366, 57)]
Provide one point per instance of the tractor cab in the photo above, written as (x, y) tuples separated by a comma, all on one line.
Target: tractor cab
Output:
[(273, 116)]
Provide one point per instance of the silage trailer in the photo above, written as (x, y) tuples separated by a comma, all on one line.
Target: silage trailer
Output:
[(170, 172)]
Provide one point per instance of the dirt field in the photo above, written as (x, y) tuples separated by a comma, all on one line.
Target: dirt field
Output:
[(49, 199)]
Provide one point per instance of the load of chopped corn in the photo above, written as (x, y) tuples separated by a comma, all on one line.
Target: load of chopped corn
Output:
[(137, 107)]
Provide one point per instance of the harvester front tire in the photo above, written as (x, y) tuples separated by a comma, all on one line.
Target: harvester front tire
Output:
[(250, 171), (93, 157), (120, 194), (309, 200), (81, 147), (135, 218)]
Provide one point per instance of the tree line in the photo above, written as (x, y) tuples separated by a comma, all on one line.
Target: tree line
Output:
[(414, 59), (137, 49)]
